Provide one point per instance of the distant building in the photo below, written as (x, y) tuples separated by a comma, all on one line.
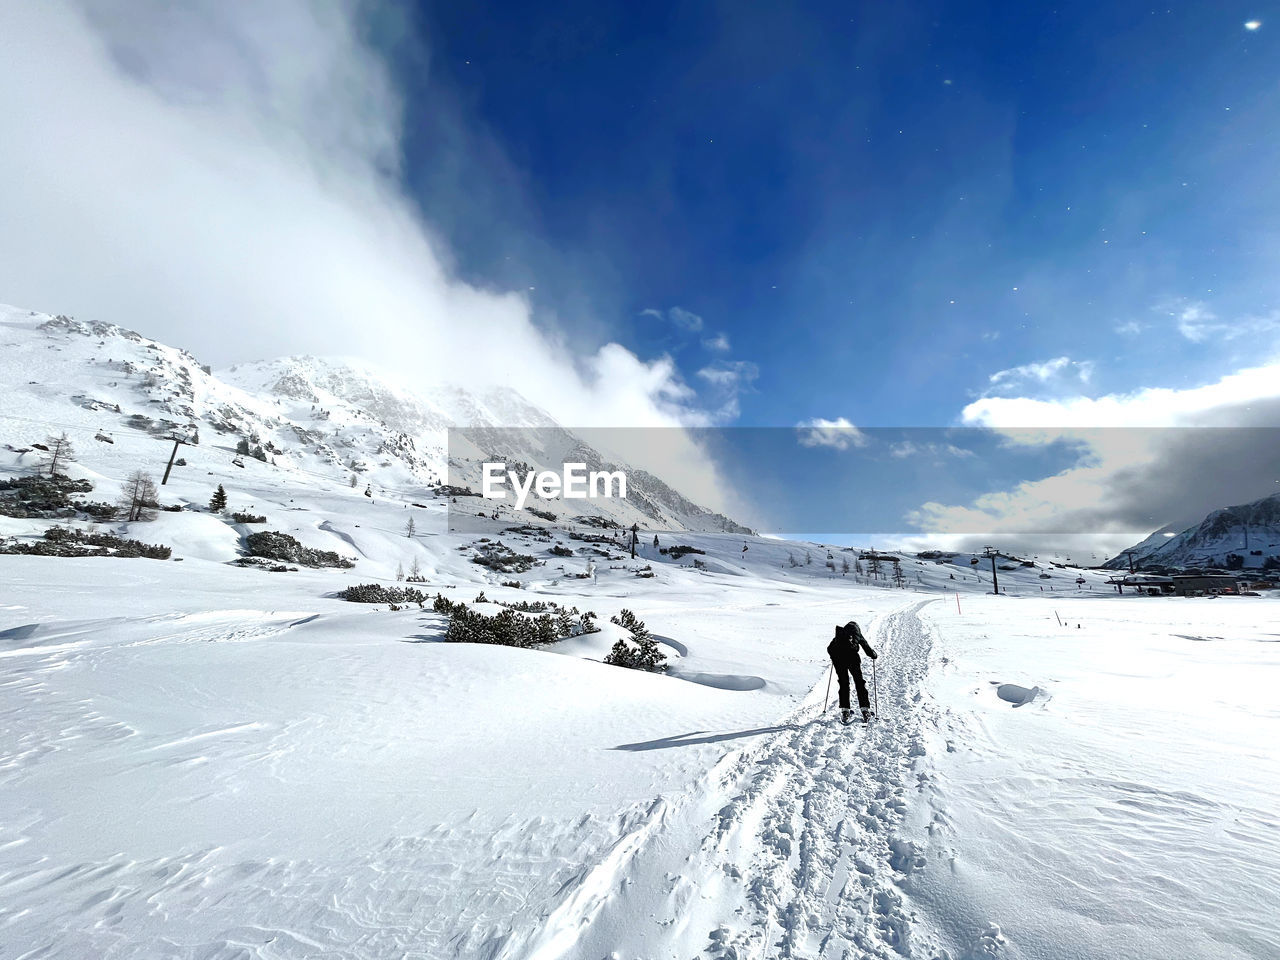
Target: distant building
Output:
[(1149, 583), (1191, 585)]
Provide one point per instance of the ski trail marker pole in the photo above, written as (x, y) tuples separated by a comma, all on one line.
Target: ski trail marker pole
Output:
[(827, 699)]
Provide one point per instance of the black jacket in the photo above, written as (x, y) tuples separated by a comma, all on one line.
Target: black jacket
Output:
[(846, 649)]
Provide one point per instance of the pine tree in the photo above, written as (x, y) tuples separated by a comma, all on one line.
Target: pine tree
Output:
[(410, 528), (242, 447), (353, 481), (399, 571), (218, 502)]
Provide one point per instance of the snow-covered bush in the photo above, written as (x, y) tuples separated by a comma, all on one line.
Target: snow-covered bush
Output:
[(639, 651), (498, 556), (65, 542), (377, 593), (46, 498), (679, 550), (274, 545), (508, 628), (521, 624)]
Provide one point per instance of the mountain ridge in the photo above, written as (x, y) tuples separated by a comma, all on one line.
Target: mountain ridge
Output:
[(335, 418), (1249, 530)]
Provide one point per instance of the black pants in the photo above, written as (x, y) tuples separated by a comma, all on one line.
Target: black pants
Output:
[(842, 678)]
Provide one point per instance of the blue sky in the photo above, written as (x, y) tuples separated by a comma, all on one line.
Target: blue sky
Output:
[(818, 217), (879, 206)]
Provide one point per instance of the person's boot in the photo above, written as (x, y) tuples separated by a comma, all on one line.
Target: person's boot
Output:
[(846, 715), (866, 714)]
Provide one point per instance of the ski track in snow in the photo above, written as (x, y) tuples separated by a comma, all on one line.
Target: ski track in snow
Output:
[(791, 840)]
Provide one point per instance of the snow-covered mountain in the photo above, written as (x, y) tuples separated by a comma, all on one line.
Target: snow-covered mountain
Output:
[(1250, 530), (334, 419)]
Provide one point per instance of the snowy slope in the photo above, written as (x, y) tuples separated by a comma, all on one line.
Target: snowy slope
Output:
[(1250, 530), (323, 419)]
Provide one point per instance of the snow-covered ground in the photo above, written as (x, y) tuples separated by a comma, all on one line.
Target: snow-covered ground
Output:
[(202, 761)]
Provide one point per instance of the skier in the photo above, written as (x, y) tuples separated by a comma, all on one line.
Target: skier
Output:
[(847, 658)]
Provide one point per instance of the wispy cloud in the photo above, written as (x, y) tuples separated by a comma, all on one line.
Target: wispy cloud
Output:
[(717, 344), (1130, 328), (1050, 371), (678, 317), (686, 319), (936, 451), (730, 372), (1197, 321), (728, 380), (838, 434)]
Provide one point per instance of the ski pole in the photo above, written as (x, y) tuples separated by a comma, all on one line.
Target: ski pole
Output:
[(875, 683), (827, 699)]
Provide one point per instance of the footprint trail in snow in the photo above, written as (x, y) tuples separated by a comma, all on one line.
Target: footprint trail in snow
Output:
[(792, 849)]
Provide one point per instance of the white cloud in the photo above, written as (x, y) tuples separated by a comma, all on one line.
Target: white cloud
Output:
[(728, 380), (1130, 328), (685, 319), (1220, 403), (909, 448), (717, 344), (730, 372), (1130, 480), (678, 317), (839, 434), (1198, 323), (1043, 373), (226, 177)]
